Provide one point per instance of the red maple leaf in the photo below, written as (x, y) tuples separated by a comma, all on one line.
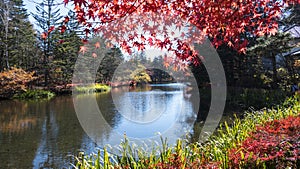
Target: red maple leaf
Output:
[(44, 35), (61, 41), (81, 2), (224, 22), (51, 29), (63, 29), (66, 2), (67, 19), (83, 49), (87, 31), (97, 45)]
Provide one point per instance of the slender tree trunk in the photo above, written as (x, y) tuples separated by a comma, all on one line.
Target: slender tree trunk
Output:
[(275, 80), (6, 44), (45, 66), (5, 20)]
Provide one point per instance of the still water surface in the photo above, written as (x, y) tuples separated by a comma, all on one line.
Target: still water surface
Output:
[(45, 134)]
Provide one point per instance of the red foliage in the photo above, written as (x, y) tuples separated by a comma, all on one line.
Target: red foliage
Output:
[(44, 35), (176, 161), (224, 22), (275, 144), (63, 29), (51, 29)]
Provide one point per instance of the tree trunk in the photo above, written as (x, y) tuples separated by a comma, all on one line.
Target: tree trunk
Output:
[(275, 80), (5, 21)]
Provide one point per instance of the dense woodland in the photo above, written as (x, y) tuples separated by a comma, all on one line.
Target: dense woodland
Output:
[(51, 53)]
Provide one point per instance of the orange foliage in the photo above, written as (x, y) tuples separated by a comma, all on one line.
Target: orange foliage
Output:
[(14, 80)]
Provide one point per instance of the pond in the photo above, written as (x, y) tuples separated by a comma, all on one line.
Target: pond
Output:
[(46, 134)]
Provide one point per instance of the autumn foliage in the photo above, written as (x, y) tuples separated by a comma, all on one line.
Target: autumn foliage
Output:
[(137, 23), (14, 80), (276, 144)]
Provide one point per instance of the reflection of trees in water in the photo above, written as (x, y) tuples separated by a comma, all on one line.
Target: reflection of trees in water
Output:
[(46, 131), (52, 130), (98, 126), (19, 133), (108, 110), (61, 134), (202, 111), (14, 116)]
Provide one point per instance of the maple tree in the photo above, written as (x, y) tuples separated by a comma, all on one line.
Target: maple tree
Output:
[(137, 23)]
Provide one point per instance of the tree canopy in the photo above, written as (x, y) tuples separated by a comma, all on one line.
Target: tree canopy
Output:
[(221, 21)]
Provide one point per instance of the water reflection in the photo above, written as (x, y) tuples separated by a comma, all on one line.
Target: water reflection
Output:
[(44, 134)]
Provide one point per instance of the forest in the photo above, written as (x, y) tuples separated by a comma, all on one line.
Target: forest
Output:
[(271, 62), (258, 44)]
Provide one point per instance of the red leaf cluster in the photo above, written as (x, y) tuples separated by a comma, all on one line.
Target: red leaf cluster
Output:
[(224, 22), (275, 144)]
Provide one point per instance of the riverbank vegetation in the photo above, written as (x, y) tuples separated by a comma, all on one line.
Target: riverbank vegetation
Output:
[(14, 81), (93, 88), (268, 138), (34, 95)]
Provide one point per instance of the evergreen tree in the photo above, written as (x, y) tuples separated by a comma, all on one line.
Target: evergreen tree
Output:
[(22, 40), (17, 36), (270, 47), (112, 59), (66, 49), (47, 17)]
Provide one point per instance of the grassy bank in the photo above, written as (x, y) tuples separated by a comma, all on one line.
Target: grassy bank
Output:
[(34, 95), (93, 88), (225, 149)]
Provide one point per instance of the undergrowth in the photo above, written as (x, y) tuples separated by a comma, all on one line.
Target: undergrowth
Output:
[(226, 149), (34, 95)]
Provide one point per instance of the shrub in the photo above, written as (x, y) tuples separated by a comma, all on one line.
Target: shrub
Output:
[(256, 98), (13, 81), (34, 94), (275, 144)]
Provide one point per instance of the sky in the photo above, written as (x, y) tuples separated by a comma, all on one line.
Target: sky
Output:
[(30, 5)]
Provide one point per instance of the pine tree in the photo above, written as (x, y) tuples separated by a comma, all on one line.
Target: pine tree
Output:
[(22, 39), (17, 46), (47, 17), (66, 50), (112, 59)]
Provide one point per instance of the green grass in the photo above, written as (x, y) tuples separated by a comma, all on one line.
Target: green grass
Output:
[(94, 88), (213, 153), (34, 95), (229, 137)]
